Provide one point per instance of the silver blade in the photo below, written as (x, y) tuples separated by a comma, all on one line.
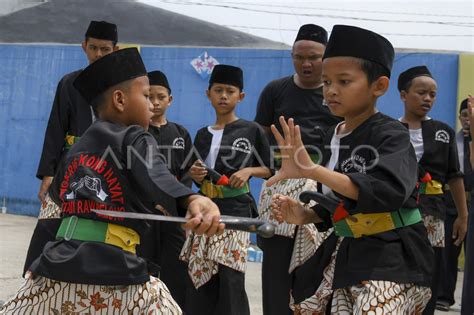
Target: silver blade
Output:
[(156, 217), (261, 227), (143, 216)]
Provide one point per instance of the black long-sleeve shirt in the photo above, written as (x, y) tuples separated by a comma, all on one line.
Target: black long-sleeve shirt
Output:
[(113, 167), (70, 115)]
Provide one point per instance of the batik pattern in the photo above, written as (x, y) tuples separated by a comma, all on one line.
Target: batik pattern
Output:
[(49, 210), (318, 302), (204, 254), (435, 228), (380, 297), (46, 296), (307, 238)]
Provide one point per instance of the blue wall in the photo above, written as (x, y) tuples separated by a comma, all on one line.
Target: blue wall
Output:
[(30, 74)]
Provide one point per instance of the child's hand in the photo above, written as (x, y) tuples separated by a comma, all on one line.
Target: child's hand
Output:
[(459, 230), (203, 216), (239, 178), (197, 172), (43, 191), (286, 209), (296, 162)]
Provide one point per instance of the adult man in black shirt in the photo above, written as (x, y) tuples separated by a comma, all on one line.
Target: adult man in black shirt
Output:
[(300, 97)]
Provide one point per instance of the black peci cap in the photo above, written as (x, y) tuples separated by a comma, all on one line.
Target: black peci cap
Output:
[(312, 32), (102, 30), (226, 74), (158, 78), (351, 41), (408, 75), (110, 70)]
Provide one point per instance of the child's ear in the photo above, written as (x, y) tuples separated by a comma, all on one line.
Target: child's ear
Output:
[(171, 100), (118, 100), (84, 45), (403, 95), (208, 94), (241, 96), (116, 47), (381, 86)]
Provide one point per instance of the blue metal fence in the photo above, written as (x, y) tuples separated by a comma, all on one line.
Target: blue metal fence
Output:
[(30, 74)]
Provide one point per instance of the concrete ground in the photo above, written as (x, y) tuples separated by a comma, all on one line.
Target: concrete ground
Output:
[(15, 234)]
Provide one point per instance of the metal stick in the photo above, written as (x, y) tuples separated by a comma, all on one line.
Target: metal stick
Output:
[(261, 227)]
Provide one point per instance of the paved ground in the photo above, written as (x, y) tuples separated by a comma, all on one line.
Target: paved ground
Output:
[(15, 234)]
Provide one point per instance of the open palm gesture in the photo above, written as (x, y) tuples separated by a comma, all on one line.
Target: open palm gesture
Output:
[(296, 162)]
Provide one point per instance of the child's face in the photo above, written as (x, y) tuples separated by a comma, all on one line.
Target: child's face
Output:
[(224, 97), (160, 99), (137, 108), (464, 119), (420, 97), (307, 59), (97, 48), (346, 88)]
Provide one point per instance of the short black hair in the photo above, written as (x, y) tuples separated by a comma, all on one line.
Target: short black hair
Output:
[(405, 87), (373, 70), (98, 103)]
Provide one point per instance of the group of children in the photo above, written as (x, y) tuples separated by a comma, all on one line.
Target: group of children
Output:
[(385, 178)]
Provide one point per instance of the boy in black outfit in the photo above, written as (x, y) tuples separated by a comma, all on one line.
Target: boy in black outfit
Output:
[(238, 149), (92, 265), (378, 258), (434, 143), (175, 145)]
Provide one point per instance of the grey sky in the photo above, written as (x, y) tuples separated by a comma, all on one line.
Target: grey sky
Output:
[(417, 24)]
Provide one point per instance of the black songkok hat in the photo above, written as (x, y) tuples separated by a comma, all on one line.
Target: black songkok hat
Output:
[(108, 71), (312, 32), (158, 78), (408, 75), (463, 105), (226, 74), (351, 41), (102, 30)]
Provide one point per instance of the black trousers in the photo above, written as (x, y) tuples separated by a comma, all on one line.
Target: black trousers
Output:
[(276, 282), (223, 294), (430, 307), (45, 231), (161, 245), (449, 264), (467, 302), (173, 271)]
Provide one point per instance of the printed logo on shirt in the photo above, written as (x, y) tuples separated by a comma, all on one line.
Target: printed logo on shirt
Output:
[(178, 143), (93, 184), (242, 145), (355, 162), (86, 176), (442, 136)]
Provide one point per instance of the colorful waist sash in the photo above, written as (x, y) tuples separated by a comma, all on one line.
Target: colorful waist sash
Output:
[(220, 191), (373, 223), (432, 187), (75, 228), (70, 140)]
